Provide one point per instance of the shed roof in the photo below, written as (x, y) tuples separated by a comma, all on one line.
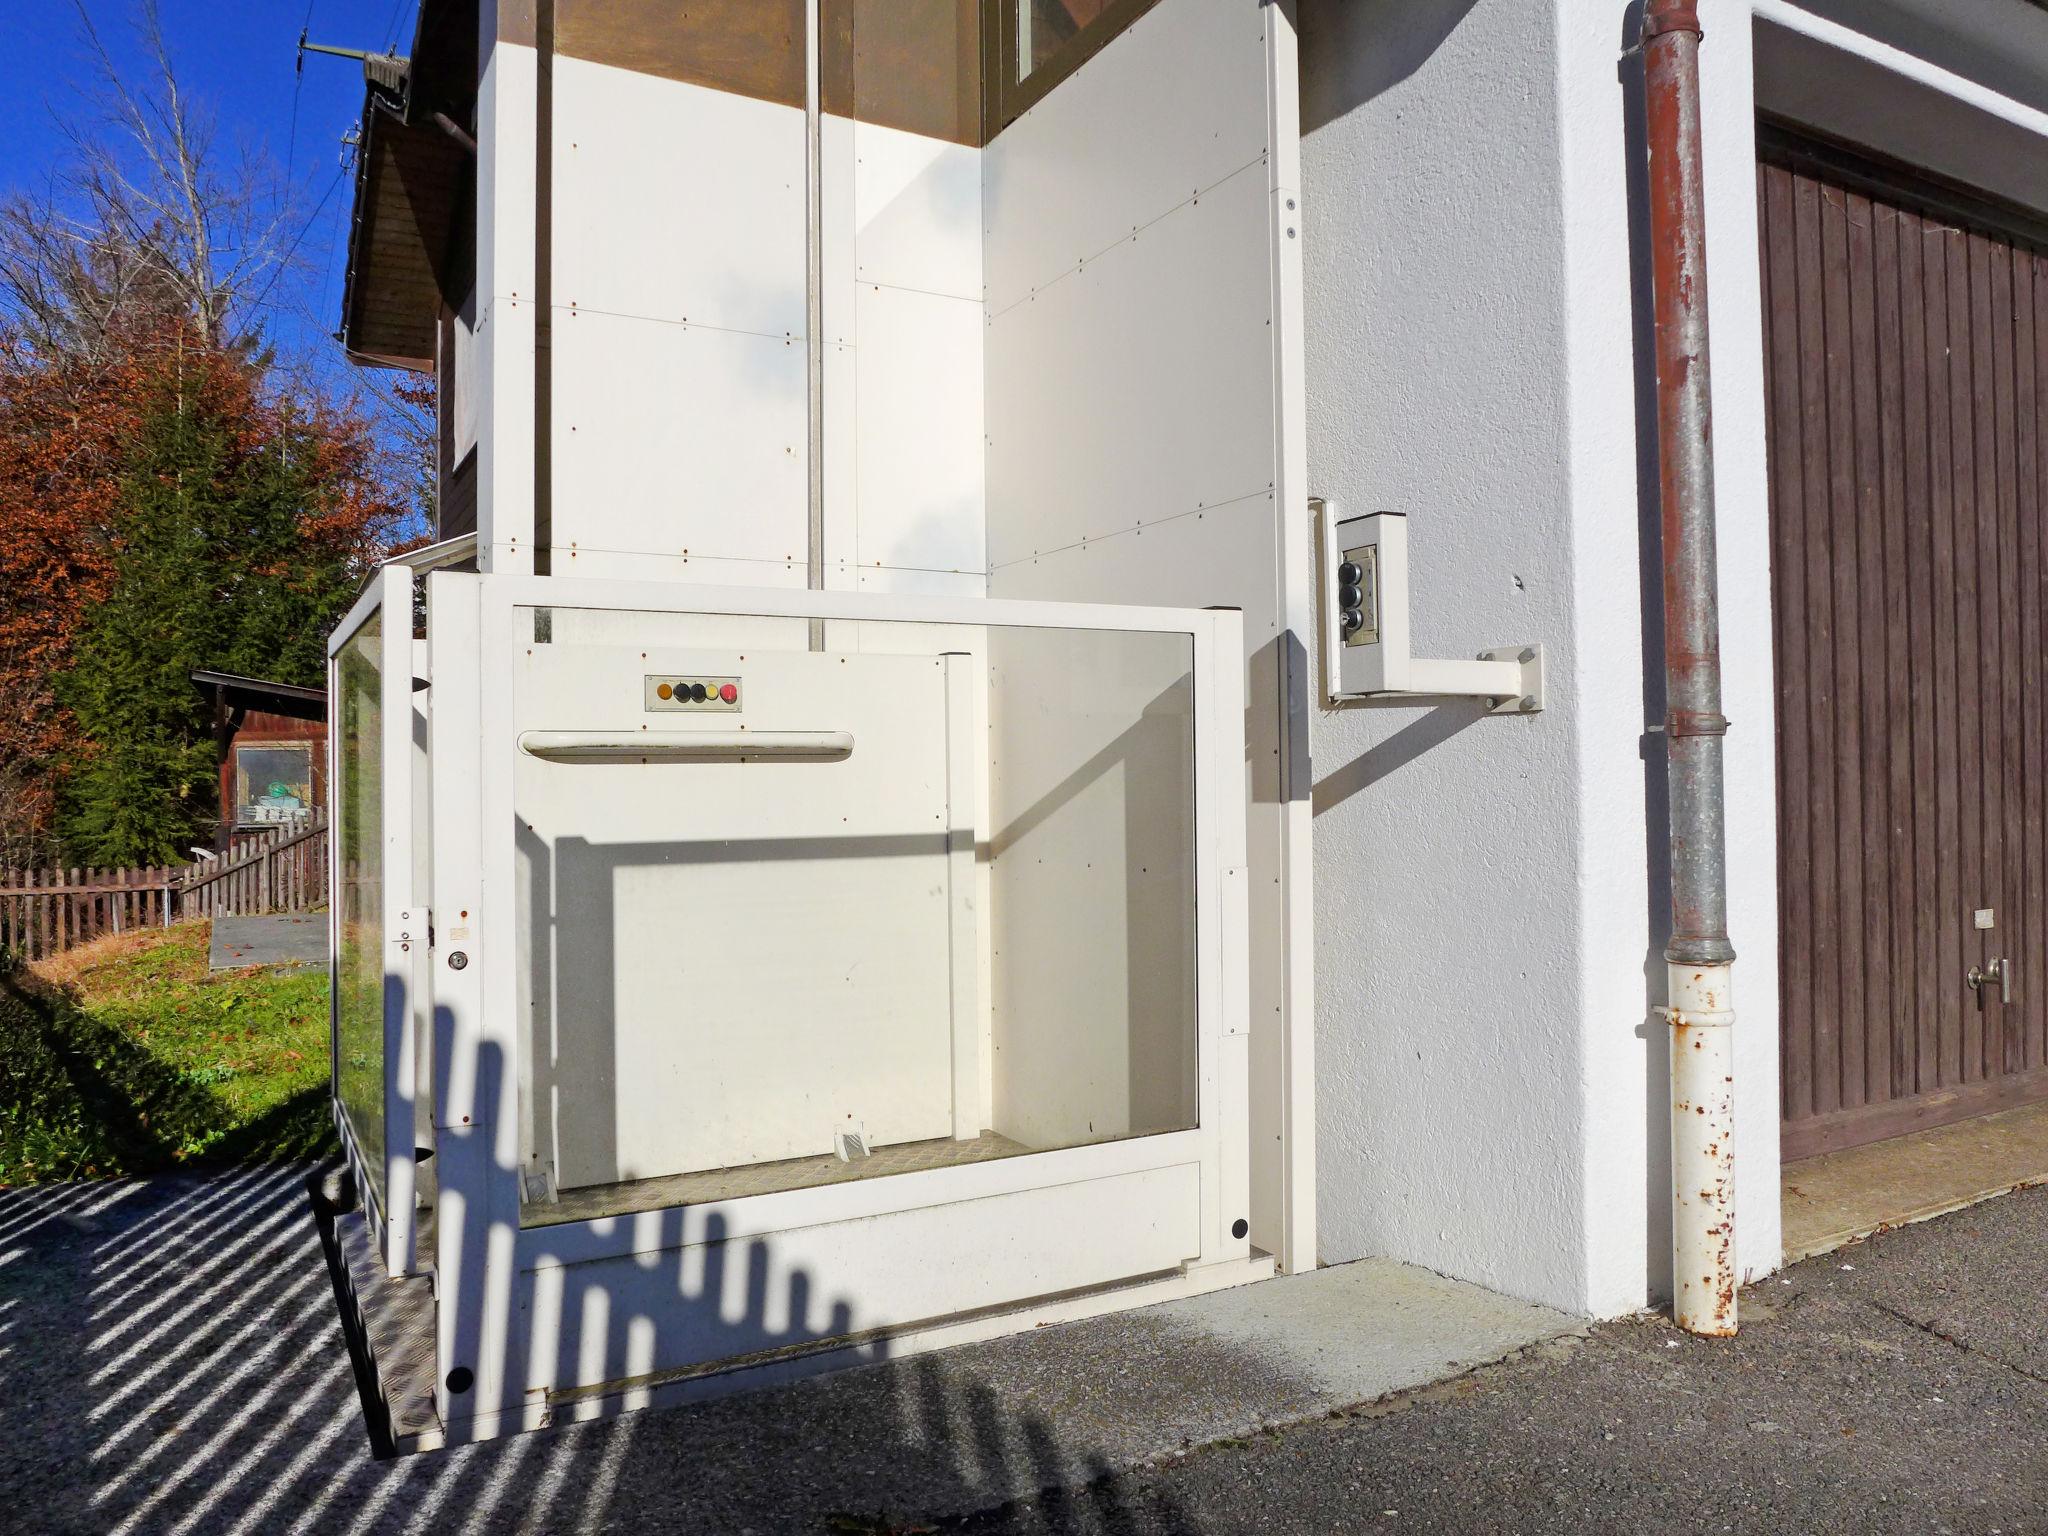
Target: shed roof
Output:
[(289, 698)]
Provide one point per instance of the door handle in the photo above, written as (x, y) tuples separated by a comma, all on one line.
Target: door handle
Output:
[(1998, 970)]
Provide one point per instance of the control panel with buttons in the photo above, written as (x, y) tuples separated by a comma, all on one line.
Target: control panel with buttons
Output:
[(693, 693)]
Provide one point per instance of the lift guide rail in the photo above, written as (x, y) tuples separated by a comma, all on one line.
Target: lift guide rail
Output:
[(709, 1007)]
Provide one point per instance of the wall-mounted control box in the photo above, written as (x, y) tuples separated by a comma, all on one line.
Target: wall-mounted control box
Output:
[(1366, 649), (705, 694)]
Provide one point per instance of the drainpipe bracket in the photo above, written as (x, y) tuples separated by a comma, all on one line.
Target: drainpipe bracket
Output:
[(1694, 1018)]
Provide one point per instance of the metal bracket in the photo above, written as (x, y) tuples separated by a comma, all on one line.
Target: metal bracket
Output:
[(1367, 657)]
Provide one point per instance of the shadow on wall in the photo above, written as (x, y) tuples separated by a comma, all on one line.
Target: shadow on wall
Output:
[(176, 1364), (1655, 1033), (1382, 42)]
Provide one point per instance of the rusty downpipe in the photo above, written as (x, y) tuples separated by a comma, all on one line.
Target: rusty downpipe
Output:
[(1699, 958)]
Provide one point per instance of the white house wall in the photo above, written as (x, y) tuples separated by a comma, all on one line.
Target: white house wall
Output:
[(1489, 893)]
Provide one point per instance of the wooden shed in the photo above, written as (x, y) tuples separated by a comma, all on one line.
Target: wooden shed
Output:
[(273, 752)]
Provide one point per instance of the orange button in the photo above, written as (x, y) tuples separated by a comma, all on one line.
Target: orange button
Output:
[(663, 691)]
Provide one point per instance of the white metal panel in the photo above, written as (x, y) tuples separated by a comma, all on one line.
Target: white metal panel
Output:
[(711, 1301), (1143, 257), (842, 463), (1165, 112), (919, 467), (736, 957), (1138, 388), (917, 212), (885, 579), (676, 440), (676, 202), (838, 222), (1183, 559)]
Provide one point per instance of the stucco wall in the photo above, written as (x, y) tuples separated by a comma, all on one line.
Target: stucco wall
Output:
[(1490, 893)]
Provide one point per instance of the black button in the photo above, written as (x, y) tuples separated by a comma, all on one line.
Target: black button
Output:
[(1350, 573), (696, 693), (1352, 596)]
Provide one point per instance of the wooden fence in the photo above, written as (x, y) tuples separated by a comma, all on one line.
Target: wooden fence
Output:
[(45, 912)]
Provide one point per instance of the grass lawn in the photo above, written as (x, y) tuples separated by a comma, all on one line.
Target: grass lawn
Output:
[(126, 1056)]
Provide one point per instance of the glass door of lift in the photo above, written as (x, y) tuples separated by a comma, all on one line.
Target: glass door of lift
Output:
[(809, 1000)]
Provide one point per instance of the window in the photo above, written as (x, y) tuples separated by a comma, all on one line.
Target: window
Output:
[(273, 783), (1041, 42)]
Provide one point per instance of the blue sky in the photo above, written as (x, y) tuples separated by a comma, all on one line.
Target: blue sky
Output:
[(237, 57)]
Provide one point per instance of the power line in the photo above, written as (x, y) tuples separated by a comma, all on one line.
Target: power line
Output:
[(298, 85), (291, 250)]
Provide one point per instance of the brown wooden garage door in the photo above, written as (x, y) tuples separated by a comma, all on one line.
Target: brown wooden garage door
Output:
[(1906, 347)]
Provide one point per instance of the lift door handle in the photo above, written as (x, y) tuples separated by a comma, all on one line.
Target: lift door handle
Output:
[(684, 746)]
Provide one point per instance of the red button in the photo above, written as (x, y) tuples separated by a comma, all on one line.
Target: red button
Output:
[(728, 693)]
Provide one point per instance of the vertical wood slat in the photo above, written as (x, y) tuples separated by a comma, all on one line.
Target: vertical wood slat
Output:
[(2024, 940), (1818, 647), (1893, 1069), (1870, 746), (2006, 703), (1783, 421), (2034, 987), (1989, 706)]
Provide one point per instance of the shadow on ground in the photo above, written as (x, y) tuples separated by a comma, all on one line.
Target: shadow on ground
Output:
[(173, 1353)]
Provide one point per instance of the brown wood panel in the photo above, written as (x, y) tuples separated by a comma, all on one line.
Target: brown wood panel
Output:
[(2033, 370), (908, 64), (1906, 361)]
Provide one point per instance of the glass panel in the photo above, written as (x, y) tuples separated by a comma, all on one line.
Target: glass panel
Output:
[(359, 971), (1045, 27), (792, 918), (273, 783)]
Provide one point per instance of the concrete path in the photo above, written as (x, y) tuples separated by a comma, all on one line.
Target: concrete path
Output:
[(291, 938), (173, 1364), (1840, 1196)]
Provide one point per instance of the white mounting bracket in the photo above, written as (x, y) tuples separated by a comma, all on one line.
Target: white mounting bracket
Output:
[(1367, 658)]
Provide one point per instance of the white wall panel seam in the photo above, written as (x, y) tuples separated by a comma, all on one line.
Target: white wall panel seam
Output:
[(1074, 267), (573, 309), (1264, 492)]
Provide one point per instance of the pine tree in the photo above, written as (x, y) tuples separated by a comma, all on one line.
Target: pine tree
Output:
[(242, 538)]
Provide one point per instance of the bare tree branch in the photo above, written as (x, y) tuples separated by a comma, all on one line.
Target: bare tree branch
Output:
[(147, 219)]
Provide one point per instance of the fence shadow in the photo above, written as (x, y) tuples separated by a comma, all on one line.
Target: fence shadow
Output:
[(176, 1345)]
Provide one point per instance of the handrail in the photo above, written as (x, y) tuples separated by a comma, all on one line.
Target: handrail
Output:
[(684, 746)]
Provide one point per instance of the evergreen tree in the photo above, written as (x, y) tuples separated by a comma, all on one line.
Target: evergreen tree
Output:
[(241, 540)]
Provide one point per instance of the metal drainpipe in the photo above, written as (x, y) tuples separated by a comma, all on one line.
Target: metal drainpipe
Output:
[(1699, 958)]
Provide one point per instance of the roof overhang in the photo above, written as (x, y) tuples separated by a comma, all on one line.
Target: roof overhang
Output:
[(411, 242)]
